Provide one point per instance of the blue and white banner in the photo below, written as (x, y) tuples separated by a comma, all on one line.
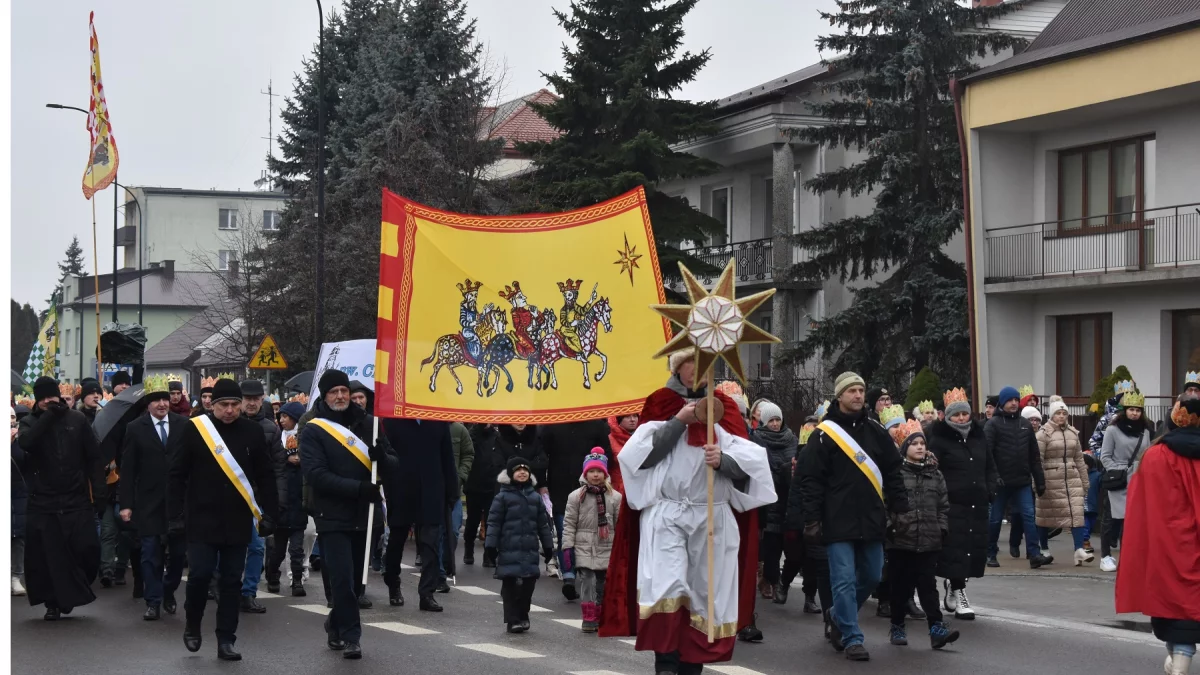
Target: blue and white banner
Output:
[(356, 358)]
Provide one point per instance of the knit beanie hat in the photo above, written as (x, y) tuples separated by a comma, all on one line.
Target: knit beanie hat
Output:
[(768, 411), (677, 359), (1007, 394), (332, 377), (1055, 406), (45, 387), (874, 395), (226, 389), (595, 460), (516, 463), (90, 387), (845, 381), (120, 377), (956, 401), (1029, 412), (293, 409)]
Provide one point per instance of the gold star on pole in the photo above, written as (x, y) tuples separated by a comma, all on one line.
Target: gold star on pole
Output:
[(715, 324), (628, 259)]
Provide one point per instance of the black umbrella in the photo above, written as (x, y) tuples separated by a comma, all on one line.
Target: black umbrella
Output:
[(119, 411), (301, 383)]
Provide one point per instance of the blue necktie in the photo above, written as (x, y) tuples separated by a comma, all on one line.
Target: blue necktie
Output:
[(162, 432)]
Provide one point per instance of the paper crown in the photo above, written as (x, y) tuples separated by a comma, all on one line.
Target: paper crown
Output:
[(26, 401), (955, 395), (891, 416), (806, 432), (469, 286), (926, 407), (227, 376), (299, 398), (1182, 418), (172, 377), (208, 382), (570, 285), (1192, 377), (155, 384), (1025, 390), (1133, 399), (273, 399), (821, 410), (902, 431), (1124, 387), (730, 388), (511, 292)]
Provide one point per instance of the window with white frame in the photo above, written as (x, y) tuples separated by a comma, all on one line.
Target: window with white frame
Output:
[(270, 221), (720, 203), (227, 219), (67, 341), (225, 258)]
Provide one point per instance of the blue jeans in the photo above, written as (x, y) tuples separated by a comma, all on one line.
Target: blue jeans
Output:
[(1181, 648), (155, 584), (1021, 500), (1091, 505), (255, 557), (558, 522), (855, 568), (1077, 536), (456, 516)]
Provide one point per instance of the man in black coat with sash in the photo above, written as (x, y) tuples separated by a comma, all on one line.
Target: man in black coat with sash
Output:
[(62, 461), (219, 470), (145, 458)]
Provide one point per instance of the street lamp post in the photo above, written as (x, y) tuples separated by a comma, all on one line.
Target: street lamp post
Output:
[(320, 318), (140, 241)]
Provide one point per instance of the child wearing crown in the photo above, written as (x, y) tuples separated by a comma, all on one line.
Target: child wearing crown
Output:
[(914, 538)]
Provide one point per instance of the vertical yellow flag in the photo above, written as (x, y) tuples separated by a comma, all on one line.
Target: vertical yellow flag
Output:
[(102, 155)]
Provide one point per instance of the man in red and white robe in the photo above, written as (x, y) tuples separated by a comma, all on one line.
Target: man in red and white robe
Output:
[(658, 578)]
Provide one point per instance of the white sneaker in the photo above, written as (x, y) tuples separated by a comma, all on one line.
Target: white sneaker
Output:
[(17, 588), (1177, 664), (1108, 564), (963, 611), (1082, 556)]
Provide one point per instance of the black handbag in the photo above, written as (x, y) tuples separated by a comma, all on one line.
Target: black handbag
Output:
[(1118, 479)]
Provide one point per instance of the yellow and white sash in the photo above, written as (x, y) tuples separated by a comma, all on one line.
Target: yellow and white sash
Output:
[(347, 438), (856, 454), (225, 460)]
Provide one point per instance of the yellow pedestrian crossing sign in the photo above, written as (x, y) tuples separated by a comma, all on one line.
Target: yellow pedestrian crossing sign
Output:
[(268, 356)]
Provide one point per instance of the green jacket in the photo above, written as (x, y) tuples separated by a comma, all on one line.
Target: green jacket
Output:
[(464, 451)]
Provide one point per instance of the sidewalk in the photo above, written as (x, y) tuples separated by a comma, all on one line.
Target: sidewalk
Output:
[(1064, 563)]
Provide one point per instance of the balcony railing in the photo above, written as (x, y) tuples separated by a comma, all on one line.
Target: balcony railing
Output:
[(1115, 242), (754, 261)]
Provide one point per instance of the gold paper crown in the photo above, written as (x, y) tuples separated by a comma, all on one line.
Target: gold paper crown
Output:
[(1182, 418), (1124, 387), (901, 432), (226, 376), (889, 415), (172, 377), (469, 286), (822, 409), (570, 285), (299, 398), (926, 407), (68, 389), (1133, 399), (26, 401), (1191, 377), (805, 432), (1026, 390), (955, 395), (730, 388), (208, 382), (155, 384), (511, 292)]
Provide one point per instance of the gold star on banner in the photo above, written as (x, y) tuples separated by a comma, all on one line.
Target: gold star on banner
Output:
[(628, 259), (714, 324)]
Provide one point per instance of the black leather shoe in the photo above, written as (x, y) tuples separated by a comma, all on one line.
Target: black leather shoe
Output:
[(353, 651), (273, 586), (332, 640), (442, 587), (518, 627), (395, 597), (780, 595), (152, 613), (250, 605), (298, 591), (569, 592), (226, 652), (469, 557), (428, 604), (52, 614), (191, 638), (884, 609), (106, 579), (169, 605), (364, 602), (914, 611)]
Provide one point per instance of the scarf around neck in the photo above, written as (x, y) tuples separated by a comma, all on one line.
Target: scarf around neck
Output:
[(601, 517), (963, 428)]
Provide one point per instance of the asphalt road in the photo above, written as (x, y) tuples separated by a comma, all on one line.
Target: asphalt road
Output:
[(1060, 622)]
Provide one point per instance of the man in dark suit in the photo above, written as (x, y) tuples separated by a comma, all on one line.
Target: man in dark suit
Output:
[(145, 458)]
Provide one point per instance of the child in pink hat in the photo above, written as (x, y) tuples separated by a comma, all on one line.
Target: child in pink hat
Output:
[(588, 528)]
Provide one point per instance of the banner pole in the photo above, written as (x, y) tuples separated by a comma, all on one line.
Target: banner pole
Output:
[(712, 624), (96, 278), (371, 507)]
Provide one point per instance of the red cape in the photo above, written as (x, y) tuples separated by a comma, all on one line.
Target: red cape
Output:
[(1159, 574), (620, 608)]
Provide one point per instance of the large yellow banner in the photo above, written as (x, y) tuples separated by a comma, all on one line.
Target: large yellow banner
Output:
[(519, 319), (102, 153)]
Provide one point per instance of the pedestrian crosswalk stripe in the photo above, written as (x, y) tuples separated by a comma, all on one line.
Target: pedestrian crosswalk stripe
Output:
[(629, 641), (532, 608), (475, 590), (573, 623), (594, 672), (268, 596), (405, 566), (501, 651), (403, 628), (315, 609), (734, 670)]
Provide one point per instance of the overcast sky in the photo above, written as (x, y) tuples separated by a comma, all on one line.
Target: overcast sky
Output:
[(183, 82)]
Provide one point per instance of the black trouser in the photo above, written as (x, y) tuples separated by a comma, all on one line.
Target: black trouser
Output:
[(816, 578), (772, 550), (1111, 531), (157, 550), (477, 507), (290, 542), (517, 595), (668, 662), (202, 563), (427, 543), (909, 570), (342, 555)]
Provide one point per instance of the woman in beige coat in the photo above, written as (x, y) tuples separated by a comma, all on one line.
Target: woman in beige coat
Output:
[(1066, 473), (589, 526)]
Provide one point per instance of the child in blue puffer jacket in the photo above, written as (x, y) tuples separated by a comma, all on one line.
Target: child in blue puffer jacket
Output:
[(517, 523)]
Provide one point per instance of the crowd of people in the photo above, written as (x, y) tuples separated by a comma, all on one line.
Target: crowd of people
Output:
[(863, 499)]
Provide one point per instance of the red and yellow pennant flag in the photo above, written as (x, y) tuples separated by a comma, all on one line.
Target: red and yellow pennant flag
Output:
[(518, 319), (102, 155)]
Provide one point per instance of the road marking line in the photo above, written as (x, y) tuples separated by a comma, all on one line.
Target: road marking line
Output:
[(573, 623), (1028, 620), (630, 641), (594, 672), (403, 628), (734, 670), (269, 596), (532, 608), (315, 609), (501, 651), (406, 566), (475, 590)]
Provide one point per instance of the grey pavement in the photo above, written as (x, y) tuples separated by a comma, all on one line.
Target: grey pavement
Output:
[(1052, 622)]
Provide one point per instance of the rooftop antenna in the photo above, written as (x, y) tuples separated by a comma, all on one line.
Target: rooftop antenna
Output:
[(265, 178)]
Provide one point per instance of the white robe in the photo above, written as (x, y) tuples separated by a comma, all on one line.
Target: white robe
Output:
[(672, 497)]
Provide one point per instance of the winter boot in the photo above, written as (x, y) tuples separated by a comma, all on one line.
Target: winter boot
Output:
[(781, 593), (588, 610), (941, 635), (914, 611), (898, 636), (395, 596), (273, 583), (1082, 556), (810, 605), (469, 552), (832, 633), (18, 589), (751, 633), (884, 609), (1177, 664)]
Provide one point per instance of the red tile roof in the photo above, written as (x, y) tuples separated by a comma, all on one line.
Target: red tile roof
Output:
[(515, 121)]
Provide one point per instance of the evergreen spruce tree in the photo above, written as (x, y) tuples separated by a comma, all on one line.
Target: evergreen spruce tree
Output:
[(618, 118), (72, 265), (23, 332), (894, 104), (926, 386)]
